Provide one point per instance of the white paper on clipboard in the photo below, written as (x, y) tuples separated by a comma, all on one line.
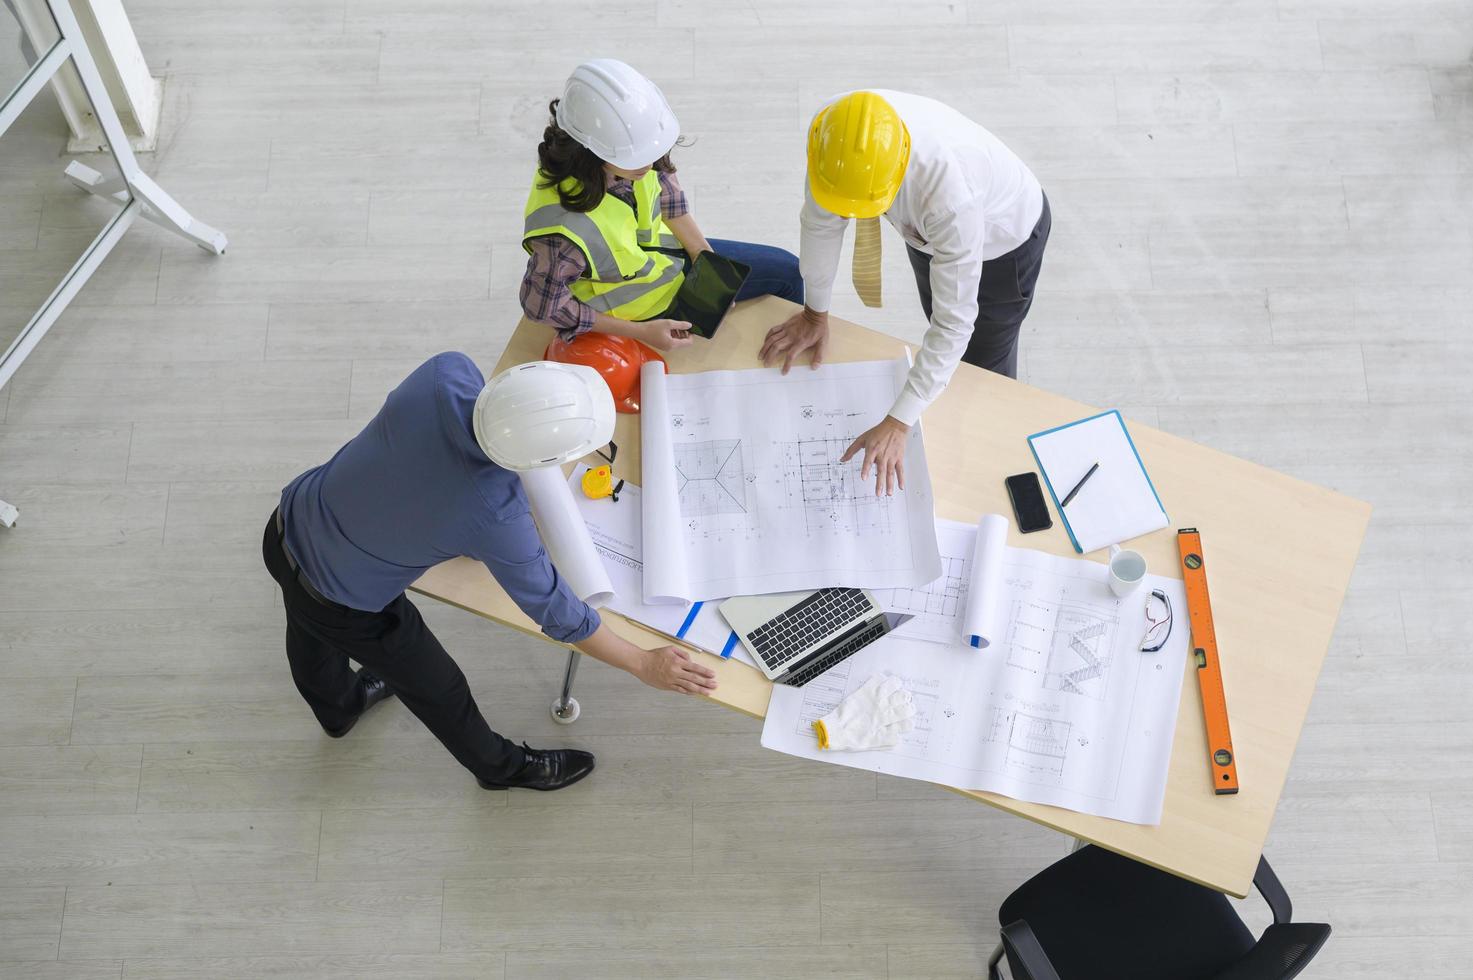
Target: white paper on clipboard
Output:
[(1119, 502)]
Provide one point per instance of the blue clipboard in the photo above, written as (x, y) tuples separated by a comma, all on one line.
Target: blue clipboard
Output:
[(1049, 483)]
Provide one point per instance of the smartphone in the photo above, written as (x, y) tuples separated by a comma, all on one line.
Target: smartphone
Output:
[(1028, 503)]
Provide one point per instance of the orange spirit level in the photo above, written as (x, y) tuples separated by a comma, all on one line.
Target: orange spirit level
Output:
[(1209, 671)]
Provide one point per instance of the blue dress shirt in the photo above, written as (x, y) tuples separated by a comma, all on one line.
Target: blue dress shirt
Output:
[(414, 489)]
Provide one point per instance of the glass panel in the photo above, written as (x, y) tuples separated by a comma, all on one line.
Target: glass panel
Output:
[(46, 222), (22, 46)]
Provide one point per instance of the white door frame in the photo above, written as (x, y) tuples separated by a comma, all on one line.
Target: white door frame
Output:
[(132, 188)]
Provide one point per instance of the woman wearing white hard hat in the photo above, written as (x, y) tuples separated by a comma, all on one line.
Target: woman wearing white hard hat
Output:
[(434, 477), (608, 231)]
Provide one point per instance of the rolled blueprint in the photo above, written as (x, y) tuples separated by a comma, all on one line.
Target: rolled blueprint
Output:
[(665, 578), (565, 536), (984, 592)]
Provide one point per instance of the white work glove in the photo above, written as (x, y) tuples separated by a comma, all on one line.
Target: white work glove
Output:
[(873, 717)]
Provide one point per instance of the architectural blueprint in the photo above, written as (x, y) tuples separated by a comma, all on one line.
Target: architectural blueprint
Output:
[(745, 494), (1060, 706), (959, 606), (613, 528)]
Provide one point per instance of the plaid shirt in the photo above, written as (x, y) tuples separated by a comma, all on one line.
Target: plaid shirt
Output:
[(555, 263)]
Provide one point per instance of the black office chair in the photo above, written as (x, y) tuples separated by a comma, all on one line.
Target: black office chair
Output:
[(1098, 916)]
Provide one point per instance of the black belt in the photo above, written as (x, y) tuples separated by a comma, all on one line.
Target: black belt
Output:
[(296, 569)]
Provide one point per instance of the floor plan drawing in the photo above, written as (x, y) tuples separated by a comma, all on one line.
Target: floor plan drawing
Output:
[(936, 608), (746, 491), (830, 493), (711, 478), (944, 597), (1037, 745)]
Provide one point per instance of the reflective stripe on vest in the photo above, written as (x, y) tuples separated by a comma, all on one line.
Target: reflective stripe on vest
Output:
[(589, 236), (618, 296), (646, 236), (626, 277)]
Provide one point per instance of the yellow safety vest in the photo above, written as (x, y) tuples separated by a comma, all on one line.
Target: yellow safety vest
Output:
[(625, 278)]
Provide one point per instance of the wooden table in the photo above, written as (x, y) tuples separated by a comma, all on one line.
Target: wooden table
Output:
[(1280, 552)]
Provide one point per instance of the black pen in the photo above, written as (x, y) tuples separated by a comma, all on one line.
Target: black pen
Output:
[(1083, 480)]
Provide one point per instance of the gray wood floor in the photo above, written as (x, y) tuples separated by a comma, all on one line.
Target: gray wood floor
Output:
[(1262, 241)]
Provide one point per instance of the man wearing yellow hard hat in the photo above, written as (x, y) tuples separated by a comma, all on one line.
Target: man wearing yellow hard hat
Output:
[(975, 223)]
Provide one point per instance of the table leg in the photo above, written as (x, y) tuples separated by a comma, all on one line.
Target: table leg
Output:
[(565, 709)]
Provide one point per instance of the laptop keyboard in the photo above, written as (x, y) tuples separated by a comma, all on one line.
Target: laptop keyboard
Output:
[(862, 638), (790, 633)]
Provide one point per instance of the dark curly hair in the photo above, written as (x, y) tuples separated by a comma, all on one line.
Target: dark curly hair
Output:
[(559, 157)]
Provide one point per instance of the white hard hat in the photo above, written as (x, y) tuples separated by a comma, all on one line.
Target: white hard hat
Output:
[(617, 113), (543, 414)]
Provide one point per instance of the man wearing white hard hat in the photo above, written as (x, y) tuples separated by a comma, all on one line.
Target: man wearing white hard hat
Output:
[(608, 230), (434, 477)]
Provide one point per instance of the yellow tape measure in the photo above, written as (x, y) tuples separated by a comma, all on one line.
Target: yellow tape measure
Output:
[(599, 483)]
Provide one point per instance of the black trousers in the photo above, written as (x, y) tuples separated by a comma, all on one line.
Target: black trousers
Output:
[(1003, 298), (394, 644)]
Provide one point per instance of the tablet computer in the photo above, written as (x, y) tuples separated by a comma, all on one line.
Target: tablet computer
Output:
[(709, 289)]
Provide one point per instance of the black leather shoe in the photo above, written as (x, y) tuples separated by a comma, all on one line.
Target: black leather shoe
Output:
[(374, 691), (547, 770)]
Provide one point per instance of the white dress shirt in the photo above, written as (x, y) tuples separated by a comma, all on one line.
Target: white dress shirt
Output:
[(965, 198)]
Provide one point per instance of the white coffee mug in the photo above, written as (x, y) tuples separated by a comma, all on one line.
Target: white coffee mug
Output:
[(1127, 570)]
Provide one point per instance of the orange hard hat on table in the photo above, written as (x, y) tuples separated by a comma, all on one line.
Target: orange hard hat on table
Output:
[(616, 359)]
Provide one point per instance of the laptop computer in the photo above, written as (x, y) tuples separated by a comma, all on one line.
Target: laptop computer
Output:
[(796, 636)]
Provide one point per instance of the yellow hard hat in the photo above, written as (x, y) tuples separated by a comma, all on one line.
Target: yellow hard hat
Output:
[(857, 151)]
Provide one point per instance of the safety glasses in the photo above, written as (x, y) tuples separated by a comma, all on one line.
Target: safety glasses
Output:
[(1158, 622)]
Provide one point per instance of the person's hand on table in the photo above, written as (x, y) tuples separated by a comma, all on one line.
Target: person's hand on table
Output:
[(884, 449), (672, 669), (665, 335), (803, 331)]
